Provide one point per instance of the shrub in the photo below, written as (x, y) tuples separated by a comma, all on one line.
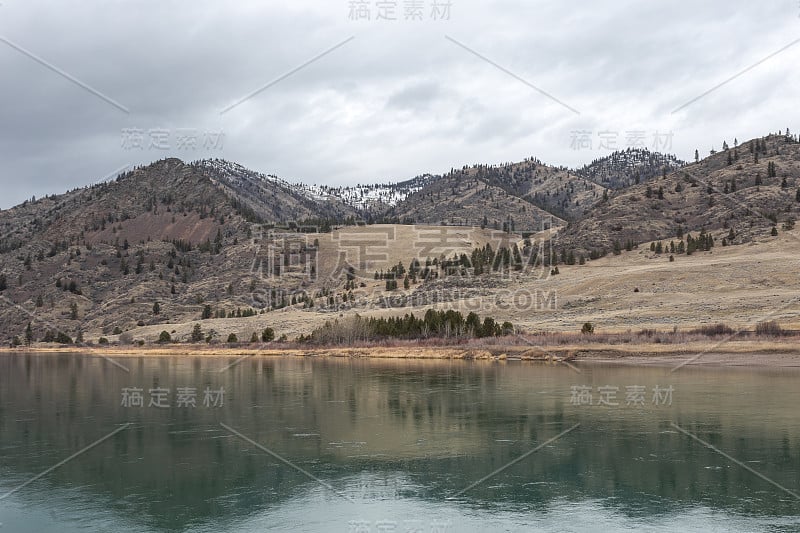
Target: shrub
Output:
[(268, 335), (714, 330), (588, 328), (117, 330), (102, 340), (164, 338), (771, 329), (232, 338)]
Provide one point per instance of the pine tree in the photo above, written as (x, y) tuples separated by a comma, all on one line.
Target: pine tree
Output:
[(197, 333), (156, 308)]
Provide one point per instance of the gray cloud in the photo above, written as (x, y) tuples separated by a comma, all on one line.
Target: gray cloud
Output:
[(397, 101)]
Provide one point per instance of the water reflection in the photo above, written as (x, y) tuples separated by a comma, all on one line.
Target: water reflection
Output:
[(389, 434)]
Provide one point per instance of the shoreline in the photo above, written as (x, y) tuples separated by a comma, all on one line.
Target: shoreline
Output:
[(769, 353)]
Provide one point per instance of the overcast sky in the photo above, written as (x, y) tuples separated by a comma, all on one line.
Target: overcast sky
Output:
[(88, 88)]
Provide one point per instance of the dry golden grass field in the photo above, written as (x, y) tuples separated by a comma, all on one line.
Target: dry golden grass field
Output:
[(739, 285)]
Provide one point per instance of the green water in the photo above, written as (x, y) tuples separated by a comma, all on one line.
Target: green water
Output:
[(355, 445)]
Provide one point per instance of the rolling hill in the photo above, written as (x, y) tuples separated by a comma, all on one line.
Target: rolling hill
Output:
[(171, 243)]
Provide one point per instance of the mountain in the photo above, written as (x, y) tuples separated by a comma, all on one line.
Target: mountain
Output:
[(464, 199), (212, 237), (741, 192), (628, 167), (269, 198)]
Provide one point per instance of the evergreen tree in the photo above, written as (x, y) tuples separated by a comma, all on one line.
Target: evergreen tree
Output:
[(197, 333)]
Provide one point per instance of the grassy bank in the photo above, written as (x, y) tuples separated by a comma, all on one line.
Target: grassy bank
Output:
[(642, 347)]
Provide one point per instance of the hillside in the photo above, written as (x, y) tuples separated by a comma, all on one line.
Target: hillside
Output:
[(170, 244), (464, 199), (737, 194), (269, 198), (628, 167)]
